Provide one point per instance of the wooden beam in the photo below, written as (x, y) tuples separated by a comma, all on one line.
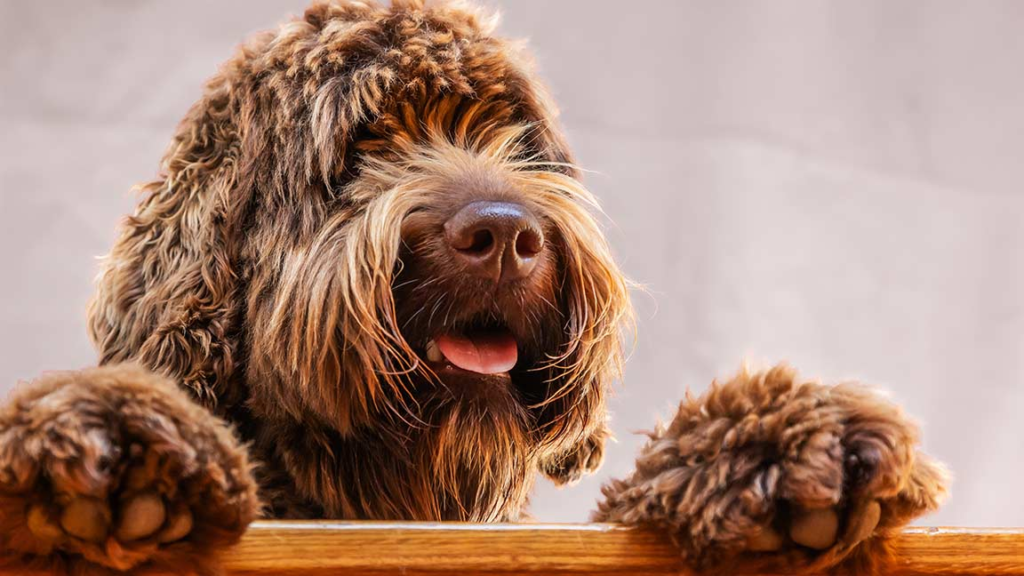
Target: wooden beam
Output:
[(356, 548)]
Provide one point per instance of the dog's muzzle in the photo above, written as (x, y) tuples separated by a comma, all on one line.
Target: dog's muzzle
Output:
[(498, 243)]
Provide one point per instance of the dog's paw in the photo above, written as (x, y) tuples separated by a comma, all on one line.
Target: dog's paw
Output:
[(584, 458), (773, 474), (116, 468)]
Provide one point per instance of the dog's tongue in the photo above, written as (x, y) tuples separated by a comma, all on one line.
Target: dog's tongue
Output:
[(484, 353)]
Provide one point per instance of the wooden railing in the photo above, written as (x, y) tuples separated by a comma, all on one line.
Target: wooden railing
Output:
[(351, 548)]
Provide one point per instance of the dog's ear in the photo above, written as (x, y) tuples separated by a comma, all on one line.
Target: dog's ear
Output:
[(172, 292), (272, 129), (168, 295)]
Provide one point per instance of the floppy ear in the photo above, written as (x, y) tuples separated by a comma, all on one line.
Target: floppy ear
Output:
[(168, 294), (172, 292)]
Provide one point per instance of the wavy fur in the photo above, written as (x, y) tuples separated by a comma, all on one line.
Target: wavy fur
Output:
[(260, 269)]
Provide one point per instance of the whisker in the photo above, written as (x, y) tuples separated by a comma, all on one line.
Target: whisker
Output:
[(404, 284), (454, 299), (427, 284), (414, 315), (437, 305)]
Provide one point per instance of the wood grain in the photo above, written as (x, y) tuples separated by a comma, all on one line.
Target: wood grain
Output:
[(356, 548)]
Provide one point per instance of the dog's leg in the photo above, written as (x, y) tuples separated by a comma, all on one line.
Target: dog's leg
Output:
[(765, 473), (116, 469), (584, 458)]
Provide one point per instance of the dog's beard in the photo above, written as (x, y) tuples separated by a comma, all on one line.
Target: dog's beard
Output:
[(469, 458), (472, 458)]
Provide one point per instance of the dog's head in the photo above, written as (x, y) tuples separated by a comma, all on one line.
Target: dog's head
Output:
[(371, 221)]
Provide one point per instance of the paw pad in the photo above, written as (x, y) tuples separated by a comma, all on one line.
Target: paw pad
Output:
[(86, 518), (815, 529), (141, 516), (819, 528)]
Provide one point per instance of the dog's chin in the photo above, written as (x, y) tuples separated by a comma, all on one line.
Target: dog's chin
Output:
[(479, 451)]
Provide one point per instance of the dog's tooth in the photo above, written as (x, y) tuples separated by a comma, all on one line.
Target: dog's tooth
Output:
[(434, 352)]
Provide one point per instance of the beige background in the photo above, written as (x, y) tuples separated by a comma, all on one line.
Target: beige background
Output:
[(837, 184)]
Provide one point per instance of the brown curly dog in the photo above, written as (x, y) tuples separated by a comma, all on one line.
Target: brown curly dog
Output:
[(369, 266)]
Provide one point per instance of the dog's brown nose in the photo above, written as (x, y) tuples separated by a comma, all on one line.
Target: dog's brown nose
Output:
[(496, 240)]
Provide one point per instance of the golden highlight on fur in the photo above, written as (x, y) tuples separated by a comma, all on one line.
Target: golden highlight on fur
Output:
[(277, 293), (260, 270)]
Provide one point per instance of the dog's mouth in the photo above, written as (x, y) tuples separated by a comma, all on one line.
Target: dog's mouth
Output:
[(485, 348), (480, 351)]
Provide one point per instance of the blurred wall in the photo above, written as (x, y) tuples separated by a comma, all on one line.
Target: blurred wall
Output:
[(836, 184)]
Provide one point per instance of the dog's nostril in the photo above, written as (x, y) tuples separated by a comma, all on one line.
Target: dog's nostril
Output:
[(529, 244), (480, 242)]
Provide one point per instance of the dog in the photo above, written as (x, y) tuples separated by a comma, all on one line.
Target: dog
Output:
[(369, 283)]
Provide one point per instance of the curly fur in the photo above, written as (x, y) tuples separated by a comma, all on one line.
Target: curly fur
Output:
[(748, 453), (285, 271), (311, 148), (81, 432)]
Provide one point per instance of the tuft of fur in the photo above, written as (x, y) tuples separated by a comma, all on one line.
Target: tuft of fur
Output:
[(90, 435), (748, 453)]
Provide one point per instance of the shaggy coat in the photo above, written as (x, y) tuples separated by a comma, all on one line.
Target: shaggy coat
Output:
[(278, 293)]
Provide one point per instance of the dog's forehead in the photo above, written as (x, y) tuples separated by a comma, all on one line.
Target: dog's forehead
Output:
[(349, 82)]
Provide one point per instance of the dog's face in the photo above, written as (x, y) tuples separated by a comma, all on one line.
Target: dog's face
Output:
[(444, 267), (371, 224)]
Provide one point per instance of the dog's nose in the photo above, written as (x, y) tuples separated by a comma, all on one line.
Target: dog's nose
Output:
[(496, 240)]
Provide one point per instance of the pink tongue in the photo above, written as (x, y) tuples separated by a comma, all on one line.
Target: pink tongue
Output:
[(491, 353)]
